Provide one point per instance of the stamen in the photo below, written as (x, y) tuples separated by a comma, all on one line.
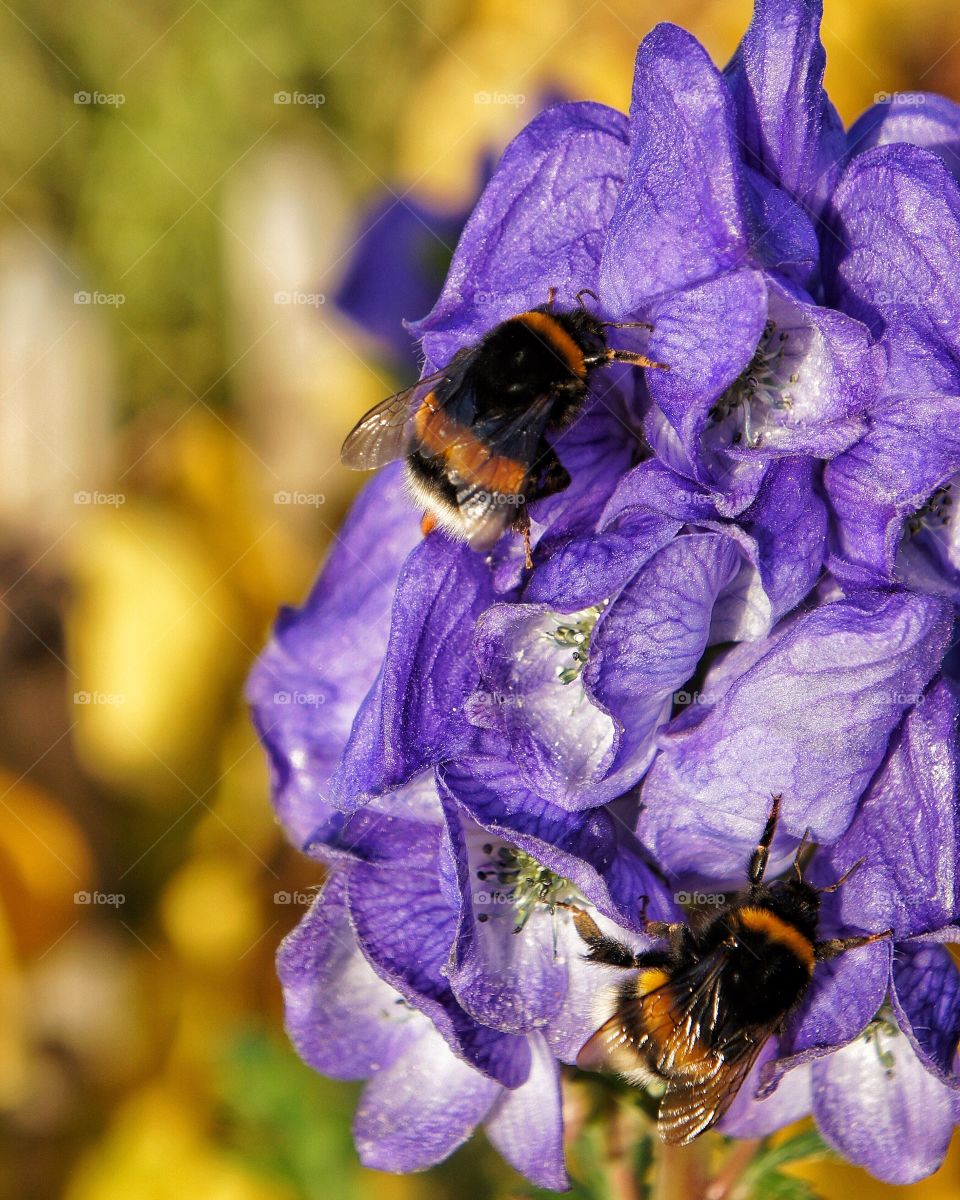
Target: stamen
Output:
[(524, 884), (764, 382), (934, 514), (575, 632), (883, 1023)]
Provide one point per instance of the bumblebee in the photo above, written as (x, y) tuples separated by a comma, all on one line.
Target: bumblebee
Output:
[(697, 1013), (477, 435)]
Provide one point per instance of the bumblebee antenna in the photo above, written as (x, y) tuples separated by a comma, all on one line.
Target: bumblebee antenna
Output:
[(586, 292)]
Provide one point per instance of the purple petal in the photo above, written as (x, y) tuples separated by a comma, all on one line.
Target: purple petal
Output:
[(420, 1108), (540, 223), (781, 232), (586, 570), (708, 335), (918, 118), (406, 927), (651, 639), (322, 658), (561, 742), (907, 829), (844, 997), (506, 977), (411, 717), (877, 1106), (926, 1000), (679, 220), (595, 850), (913, 448), (341, 1017), (526, 1124), (809, 719), (784, 120), (898, 213), (786, 542), (749, 1117)]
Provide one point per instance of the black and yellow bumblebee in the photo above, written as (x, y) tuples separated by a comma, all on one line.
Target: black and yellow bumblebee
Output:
[(476, 434), (697, 1013)]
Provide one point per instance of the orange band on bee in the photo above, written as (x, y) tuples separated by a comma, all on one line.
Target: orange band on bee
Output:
[(561, 341), (762, 920), (463, 453)]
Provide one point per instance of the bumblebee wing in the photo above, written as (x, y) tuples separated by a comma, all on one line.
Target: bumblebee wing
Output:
[(385, 433), (666, 1030), (691, 1106)]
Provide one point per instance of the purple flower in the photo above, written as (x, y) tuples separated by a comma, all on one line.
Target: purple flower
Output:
[(748, 588)]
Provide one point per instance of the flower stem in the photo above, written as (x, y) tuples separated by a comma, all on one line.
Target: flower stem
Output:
[(724, 1183), (681, 1172)]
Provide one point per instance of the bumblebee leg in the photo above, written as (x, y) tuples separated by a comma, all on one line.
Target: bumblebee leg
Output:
[(843, 878), (824, 951), (628, 356), (657, 929), (552, 476), (551, 296), (521, 525), (758, 862), (428, 523), (603, 949)]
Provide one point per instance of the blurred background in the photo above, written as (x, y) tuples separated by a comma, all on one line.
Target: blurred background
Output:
[(213, 216)]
